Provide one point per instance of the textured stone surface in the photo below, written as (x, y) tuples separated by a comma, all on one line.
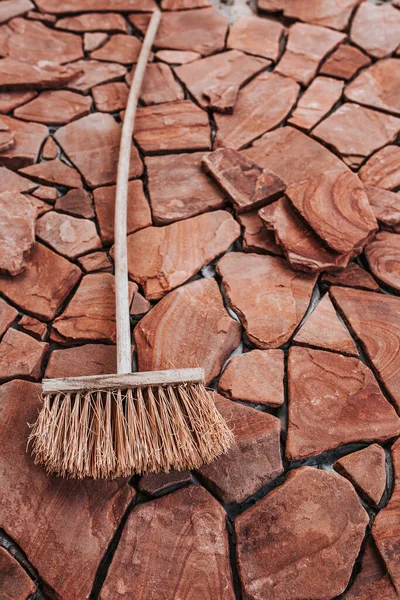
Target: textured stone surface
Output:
[(15, 583), (28, 138), (17, 232), (386, 207), (54, 172), (329, 13), (316, 102), (20, 355), (378, 86), (345, 62), (255, 377), (187, 528), (177, 57), (120, 49), (50, 149), (383, 256), (7, 316), (76, 518), (110, 22), (139, 215), (333, 400), (91, 41), (172, 126), (256, 238), (77, 203), (189, 191), (256, 36), (78, 6), (306, 47), (110, 97), (33, 327), (254, 458), (269, 319), (13, 8), (323, 329), (96, 261), (382, 169), (16, 76), (92, 145), (55, 107), (44, 285), (191, 244), (90, 359), (94, 72), (375, 29), (10, 100), (164, 337), (248, 185), (139, 305), (367, 472), (352, 276), (154, 483), (184, 4), (302, 539), (11, 181), (44, 192), (159, 85), (67, 235)]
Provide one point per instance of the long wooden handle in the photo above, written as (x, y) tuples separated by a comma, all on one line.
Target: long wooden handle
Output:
[(124, 360)]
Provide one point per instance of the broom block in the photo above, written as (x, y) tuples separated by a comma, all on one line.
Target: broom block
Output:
[(122, 381)]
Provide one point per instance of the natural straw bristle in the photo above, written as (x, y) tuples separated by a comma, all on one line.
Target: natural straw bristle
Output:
[(114, 433)]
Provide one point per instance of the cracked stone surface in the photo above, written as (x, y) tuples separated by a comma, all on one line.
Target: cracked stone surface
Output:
[(54, 172), (383, 255), (69, 236), (15, 582), (17, 232), (386, 207), (20, 355), (253, 35), (55, 107), (366, 470)]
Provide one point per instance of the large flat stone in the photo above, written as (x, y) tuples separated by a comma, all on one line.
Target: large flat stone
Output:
[(77, 203), (14, 8), (383, 256), (11, 181), (69, 236), (28, 138), (110, 97), (155, 483), (55, 108), (94, 72), (382, 169), (329, 13), (352, 276), (257, 36), (15, 582), (8, 314), (110, 22), (119, 48), (345, 62), (378, 86), (316, 102), (89, 359), (375, 29), (11, 100), (17, 76), (21, 355), (54, 172), (366, 470), (17, 232)]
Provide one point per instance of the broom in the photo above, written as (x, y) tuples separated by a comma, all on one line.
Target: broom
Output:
[(107, 426)]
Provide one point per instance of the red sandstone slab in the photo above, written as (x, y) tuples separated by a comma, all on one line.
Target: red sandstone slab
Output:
[(94, 262), (184, 4), (28, 138), (119, 48), (14, 8), (110, 22), (375, 29), (352, 276), (268, 318), (316, 102), (345, 62), (33, 327), (385, 205), (16, 76), (110, 97), (92, 41), (54, 172), (11, 181), (67, 235), (383, 256), (20, 355), (15, 582), (255, 237), (17, 232), (79, 6), (11, 100), (366, 470), (77, 203), (55, 108), (43, 17), (159, 84), (8, 315), (89, 359), (334, 400), (94, 72), (329, 13), (271, 5), (378, 86), (50, 149), (44, 192), (41, 207), (155, 483), (177, 57), (139, 306), (382, 169), (257, 36)]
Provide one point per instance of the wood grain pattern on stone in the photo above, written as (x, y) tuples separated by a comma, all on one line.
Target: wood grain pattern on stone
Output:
[(155, 483), (301, 246), (255, 377), (191, 244), (177, 57), (79, 6), (254, 458), (255, 237), (159, 84), (16, 76), (15, 582), (186, 528), (316, 102), (77, 203), (54, 172), (69, 236), (201, 31), (110, 22), (139, 215), (378, 86), (28, 138), (366, 470), (95, 261), (92, 145), (17, 232), (11, 100), (119, 48), (20, 355), (374, 320), (329, 13), (232, 68), (334, 400), (375, 29), (164, 337), (257, 36), (44, 285), (385, 206), (323, 329), (247, 185), (382, 169), (14, 8), (172, 126), (55, 108), (110, 97), (383, 257), (345, 62), (91, 73), (352, 276), (268, 318), (189, 191), (92, 41), (302, 539), (306, 47), (33, 327), (261, 105), (50, 149), (89, 359), (77, 519)]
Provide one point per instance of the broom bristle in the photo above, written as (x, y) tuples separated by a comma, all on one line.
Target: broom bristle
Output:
[(109, 434)]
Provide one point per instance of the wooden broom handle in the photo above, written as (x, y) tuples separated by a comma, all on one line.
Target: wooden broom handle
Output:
[(124, 360)]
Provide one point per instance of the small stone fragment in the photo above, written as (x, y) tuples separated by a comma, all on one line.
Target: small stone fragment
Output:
[(256, 238), (91, 73), (50, 149), (375, 29), (345, 62), (383, 256), (20, 355), (139, 306), (67, 235), (366, 470), (110, 97), (352, 276), (11, 100), (385, 206), (16, 76), (164, 337), (154, 483), (382, 169), (221, 98), (92, 41), (177, 57), (159, 85), (316, 102), (192, 244), (89, 359), (120, 48), (92, 21), (8, 315), (255, 377), (96, 261), (268, 318), (329, 13), (334, 400), (54, 172), (256, 36), (15, 583), (77, 203), (378, 86), (28, 138), (33, 326), (14, 8), (17, 232), (55, 108), (44, 192)]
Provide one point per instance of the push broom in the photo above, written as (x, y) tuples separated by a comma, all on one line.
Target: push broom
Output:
[(107, 426)]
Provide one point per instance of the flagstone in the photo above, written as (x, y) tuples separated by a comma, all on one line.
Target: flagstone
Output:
[(18, 77), (28, 138), (255, 237), (89, 359), (55, 108), (54, 172), (20, 355), (382, 169), (11, 181), (92, 41), (69, 236), (177, 57), (77, 203), (17, 232), (95, 261), (318, 99), (385, 206), (329, 13), (159, 84), (366, 470), (50, 149), (352, 276), (375, 29), (79, 6), (8, 315), (383, 257), (15, 582), (11, 100), (119, 48), (257, 36), (345, 62), (33, 327), (92, 73), (110, 97), (97, 22)]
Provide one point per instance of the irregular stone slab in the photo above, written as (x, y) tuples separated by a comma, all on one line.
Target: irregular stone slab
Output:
[(96, 261), (302, 539), (323, 329), (110, 22), (191, 244), (248, 185), (378, 86), (77, 203), (41, 207), (50, 149), (255, 377), (385, 206), (188, 528), (316, 102), (383, 256), (16, 76), (307, 46), (382, 169), (301, 246), (66, 512), (366, 470), (261, 106), (352, 276), (10, 181), (139, 306), (255, 237), (13, 8), (345, 62), (120, 48), (6, 138), (164, 337), (15, 582), (110, 97), (154, 483), (90, 359), (177, 57), (219, 72), (254, 458), (8, 315), (92, 145), (20, 355), (44, 285), (159, 85), (78, 6), (47, 193), (54, 172), (11, 100), (172, 126), (33, 326), (28, 138), (333, 400), (345, 130), (268, 318), (92, 41), (183, 4), (189, 191), (222, 98), (271, 5), (17, 232), (44, 17), (257, 36), (67, 235), (55, 108), (329, 13), (94, 72), (139, 215), (375, 29), (373, 319), (198, 31)]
